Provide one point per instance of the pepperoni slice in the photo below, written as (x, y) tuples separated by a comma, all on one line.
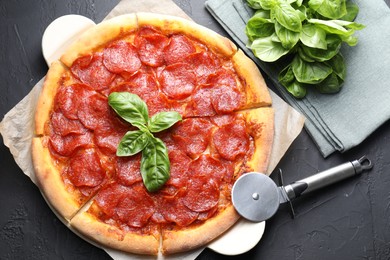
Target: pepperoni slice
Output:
[(142, 84), (84, 169), (150, 45), (128, 169), (226, 95), (177, 81), (174, 210), (221, 120), (192, 135), (145, 86), (179, 48), (207, 214), (179, 168), (222, 77), (135, 207), (231, 140), (203, 64), (63, 126), (68, 99), (67, 145), (202, 195), (107, 138), (200, 104), (226, 100), (121, 56), (206, 165), (95, 112), (108, 197), (91, 71)]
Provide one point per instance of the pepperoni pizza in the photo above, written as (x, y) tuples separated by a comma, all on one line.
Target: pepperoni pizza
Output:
[(173, 65)]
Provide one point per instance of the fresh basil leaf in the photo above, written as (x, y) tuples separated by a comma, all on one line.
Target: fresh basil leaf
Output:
[(332, 9), (313, 36), (352, 12), (268, 50), (330, 85), (163, 120), (339, 27), (333, 47), (258, 26), (349, 25), (287, 16), (287, 38), (304, 56), (302, 12), (295, 3), (255, 4), (286, 76), (350, 40), (309, 72), (133, 142), (338, 65), (315, 4), (268, 4), (296, 89), (130, 107), (155, 165)]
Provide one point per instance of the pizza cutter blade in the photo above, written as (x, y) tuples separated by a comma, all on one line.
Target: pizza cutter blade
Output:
[(256, 197)]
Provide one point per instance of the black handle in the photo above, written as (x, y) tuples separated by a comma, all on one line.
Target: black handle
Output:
[(327, 177)]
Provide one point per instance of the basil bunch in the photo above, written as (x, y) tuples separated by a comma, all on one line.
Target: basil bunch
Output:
[(155, 165), (308, 34)]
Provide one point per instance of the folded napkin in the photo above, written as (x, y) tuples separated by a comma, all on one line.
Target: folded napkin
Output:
[(336, 122)]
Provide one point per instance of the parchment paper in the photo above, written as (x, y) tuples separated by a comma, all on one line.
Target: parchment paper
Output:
[(17, 125)]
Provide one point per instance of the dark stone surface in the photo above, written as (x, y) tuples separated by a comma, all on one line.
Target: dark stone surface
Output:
[(350, 220)]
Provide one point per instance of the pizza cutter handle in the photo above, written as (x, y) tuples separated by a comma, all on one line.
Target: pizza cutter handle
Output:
[(327, 177)]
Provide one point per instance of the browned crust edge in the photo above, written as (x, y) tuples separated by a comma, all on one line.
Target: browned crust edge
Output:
[(99, 35), (173, 24), (46, 97), (111, 236), (257, 93), (50, 181), (176, 241), (261, 122)]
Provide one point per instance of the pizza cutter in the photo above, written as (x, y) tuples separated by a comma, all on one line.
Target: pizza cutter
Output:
[(256, 197)]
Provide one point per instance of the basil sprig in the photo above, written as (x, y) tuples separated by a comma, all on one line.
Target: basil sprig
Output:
[(310, 34), (155, 165)]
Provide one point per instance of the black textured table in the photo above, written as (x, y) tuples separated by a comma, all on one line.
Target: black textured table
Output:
[(350, 220)]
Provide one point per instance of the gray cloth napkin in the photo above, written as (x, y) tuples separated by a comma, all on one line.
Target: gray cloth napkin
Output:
[(339, 121)]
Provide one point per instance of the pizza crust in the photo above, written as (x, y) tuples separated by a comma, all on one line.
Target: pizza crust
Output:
[(257, 93), (261, 128), (99, 35), (175, 241), (46, 98), (48, 174), (112, 236), (109, 30), (173, 24)]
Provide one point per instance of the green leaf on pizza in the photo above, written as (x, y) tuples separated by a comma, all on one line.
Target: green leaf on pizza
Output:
[(155, 165)]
